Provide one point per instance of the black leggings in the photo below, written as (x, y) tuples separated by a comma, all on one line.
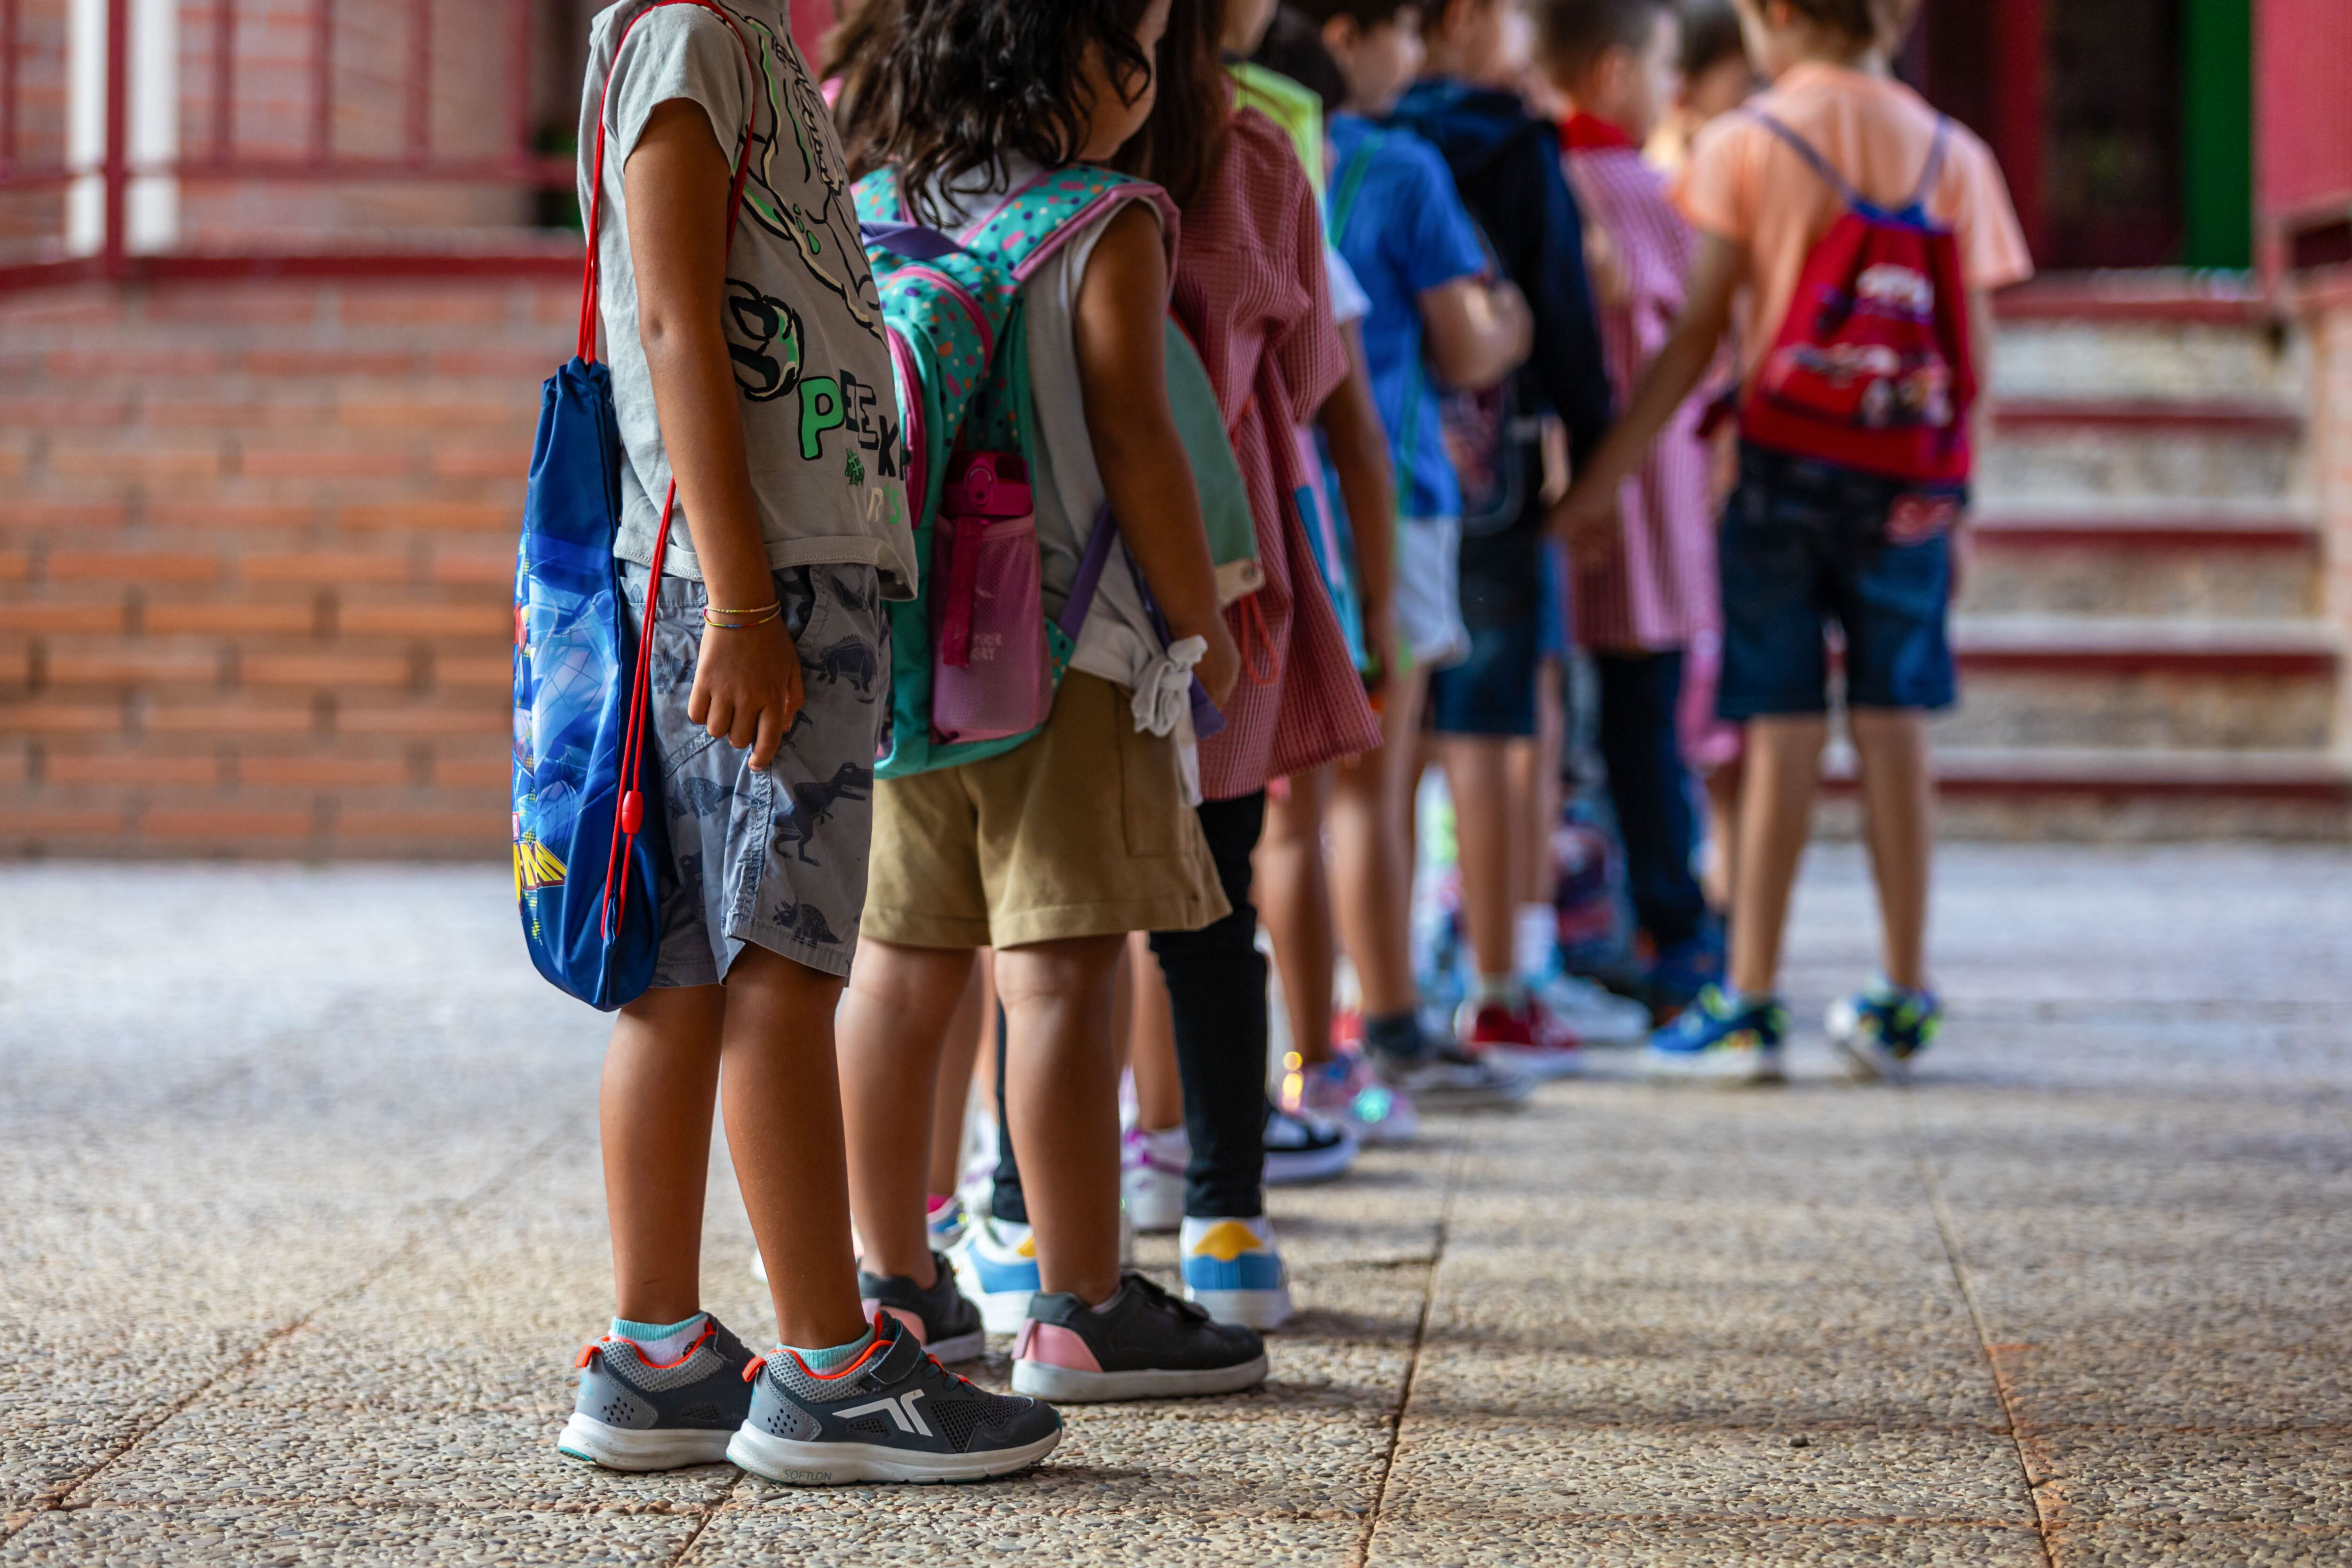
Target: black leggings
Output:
[(1216, 991)]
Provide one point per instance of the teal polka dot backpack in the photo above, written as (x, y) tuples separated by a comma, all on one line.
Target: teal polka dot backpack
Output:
[(974, 661)]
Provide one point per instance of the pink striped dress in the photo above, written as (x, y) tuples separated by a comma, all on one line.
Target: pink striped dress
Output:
[(1251, 292), (1659, 592)]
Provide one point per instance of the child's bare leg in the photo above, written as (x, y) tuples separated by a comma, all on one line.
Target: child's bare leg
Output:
[(893, 1027), (1543, 787), (1486, 823), (1898, 805), (957, 1060), (1294, 900), (782, 1103), (1722, 831), (1062, 1100), (1152, 1040), (1776, 818), (1373, 865), (661, 1082)]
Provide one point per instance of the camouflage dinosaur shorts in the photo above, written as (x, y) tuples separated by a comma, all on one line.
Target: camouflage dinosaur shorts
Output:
[(774, 856)]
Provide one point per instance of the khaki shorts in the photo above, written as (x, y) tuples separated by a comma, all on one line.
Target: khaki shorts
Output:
[(1081, 832)]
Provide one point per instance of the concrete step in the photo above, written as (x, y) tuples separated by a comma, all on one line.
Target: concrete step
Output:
[(2145, 336), (2191, 562), (2139, 682), (2099, 794), (2073, 451)]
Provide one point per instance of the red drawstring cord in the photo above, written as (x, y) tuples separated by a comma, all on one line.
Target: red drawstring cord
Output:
[(1253, 630), (631, 816)]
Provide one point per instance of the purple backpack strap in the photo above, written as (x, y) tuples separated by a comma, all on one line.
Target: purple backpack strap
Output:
[(1090, 573), (1206, 719)]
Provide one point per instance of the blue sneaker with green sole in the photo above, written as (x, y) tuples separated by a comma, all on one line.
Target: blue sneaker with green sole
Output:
[(1881, 1032), (1722, 1039)]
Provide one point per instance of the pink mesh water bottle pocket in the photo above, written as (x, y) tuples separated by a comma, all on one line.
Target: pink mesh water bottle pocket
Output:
[(990, 675)]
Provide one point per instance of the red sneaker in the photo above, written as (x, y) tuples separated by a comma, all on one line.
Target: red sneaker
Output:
[(1526, 1036)]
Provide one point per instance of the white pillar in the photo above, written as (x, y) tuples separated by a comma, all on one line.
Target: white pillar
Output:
[(152, 203)]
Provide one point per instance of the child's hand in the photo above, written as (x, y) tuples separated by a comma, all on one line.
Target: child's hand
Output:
[(747, 687), (1220, 667), (1586, 522)]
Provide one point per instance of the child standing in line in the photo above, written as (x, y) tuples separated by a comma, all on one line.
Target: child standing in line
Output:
[(1644, 592), (1398, 220), (1484, 712), (1861, 535), (1052, 852), (773, 560), (1716, 78)]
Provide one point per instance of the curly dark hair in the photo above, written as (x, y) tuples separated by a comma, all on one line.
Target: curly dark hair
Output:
[(943, 88), (1181, 144)]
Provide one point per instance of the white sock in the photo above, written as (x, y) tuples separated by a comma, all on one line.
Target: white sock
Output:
[(662, 1342), (1170, 1146), (1535, 941), (1497, 988)]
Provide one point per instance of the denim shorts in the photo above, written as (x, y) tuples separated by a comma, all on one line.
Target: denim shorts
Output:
[(1807, 545)]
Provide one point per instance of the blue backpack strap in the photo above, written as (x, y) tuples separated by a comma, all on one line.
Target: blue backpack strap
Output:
[(1804, 149), (1919, 202)]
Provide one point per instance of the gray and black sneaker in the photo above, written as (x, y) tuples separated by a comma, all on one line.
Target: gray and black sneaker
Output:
[(632, 1414), (1451, 1078), (892, 1415), (944, 1318), (1142, 1343)]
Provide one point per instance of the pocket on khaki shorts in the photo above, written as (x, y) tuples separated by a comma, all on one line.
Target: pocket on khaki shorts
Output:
[(1151, 792)]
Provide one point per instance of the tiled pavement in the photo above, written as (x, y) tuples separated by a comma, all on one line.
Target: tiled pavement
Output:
[(300, 1220)]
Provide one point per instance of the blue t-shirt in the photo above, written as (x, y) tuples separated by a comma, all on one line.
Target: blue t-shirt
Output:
[(1405, 231)]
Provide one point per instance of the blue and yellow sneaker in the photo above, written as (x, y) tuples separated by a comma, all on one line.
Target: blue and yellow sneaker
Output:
[(1720, 1038), (996, 1266), (1233, 1271), (1881, 1032)]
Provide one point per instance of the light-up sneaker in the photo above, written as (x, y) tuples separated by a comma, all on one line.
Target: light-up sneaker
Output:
[(632, 1414), (894, 1413), (1142, 1343), (996, 1266), (942, 1317), (1718, 1039), (1233, 1269), (1345, 1090), (1881, 1032)]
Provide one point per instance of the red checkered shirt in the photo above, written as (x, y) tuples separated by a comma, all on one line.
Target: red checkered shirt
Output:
[(1251, 292), (1659, 589)]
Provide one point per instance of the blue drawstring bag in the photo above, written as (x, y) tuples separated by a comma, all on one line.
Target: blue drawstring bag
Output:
[(589, 839)]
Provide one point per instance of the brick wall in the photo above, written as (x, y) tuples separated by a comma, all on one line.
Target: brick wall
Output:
[(255, 563)]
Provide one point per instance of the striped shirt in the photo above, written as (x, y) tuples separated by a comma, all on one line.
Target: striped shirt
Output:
[(1251, 292), (1659, 588)]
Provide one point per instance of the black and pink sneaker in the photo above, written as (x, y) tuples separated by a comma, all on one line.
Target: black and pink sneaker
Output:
[(1142, 1343)]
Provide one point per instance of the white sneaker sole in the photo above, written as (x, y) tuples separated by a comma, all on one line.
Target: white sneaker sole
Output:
[(1155, 1206), (1250, 1308), (1286, 1168), (619, 1449), (1725, 1070), (1869, 1063), (787, 1463), (1001, 1312), (1541, 1065), (1071, 1385)]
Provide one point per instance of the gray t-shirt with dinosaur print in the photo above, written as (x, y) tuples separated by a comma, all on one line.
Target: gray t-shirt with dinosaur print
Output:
[(820, 409)]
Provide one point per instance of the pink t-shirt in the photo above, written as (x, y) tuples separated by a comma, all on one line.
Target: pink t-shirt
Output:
[(1745, 184)]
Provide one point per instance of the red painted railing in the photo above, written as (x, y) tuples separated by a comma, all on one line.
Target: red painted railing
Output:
[(214, 155)]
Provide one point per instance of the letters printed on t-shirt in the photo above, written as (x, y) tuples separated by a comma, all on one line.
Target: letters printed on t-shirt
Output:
[(842, 402)]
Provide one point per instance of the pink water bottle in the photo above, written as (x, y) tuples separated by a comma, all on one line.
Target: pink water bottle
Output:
[(990, 675)]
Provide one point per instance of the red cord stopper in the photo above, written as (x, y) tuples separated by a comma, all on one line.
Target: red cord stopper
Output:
[(633, 811)]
